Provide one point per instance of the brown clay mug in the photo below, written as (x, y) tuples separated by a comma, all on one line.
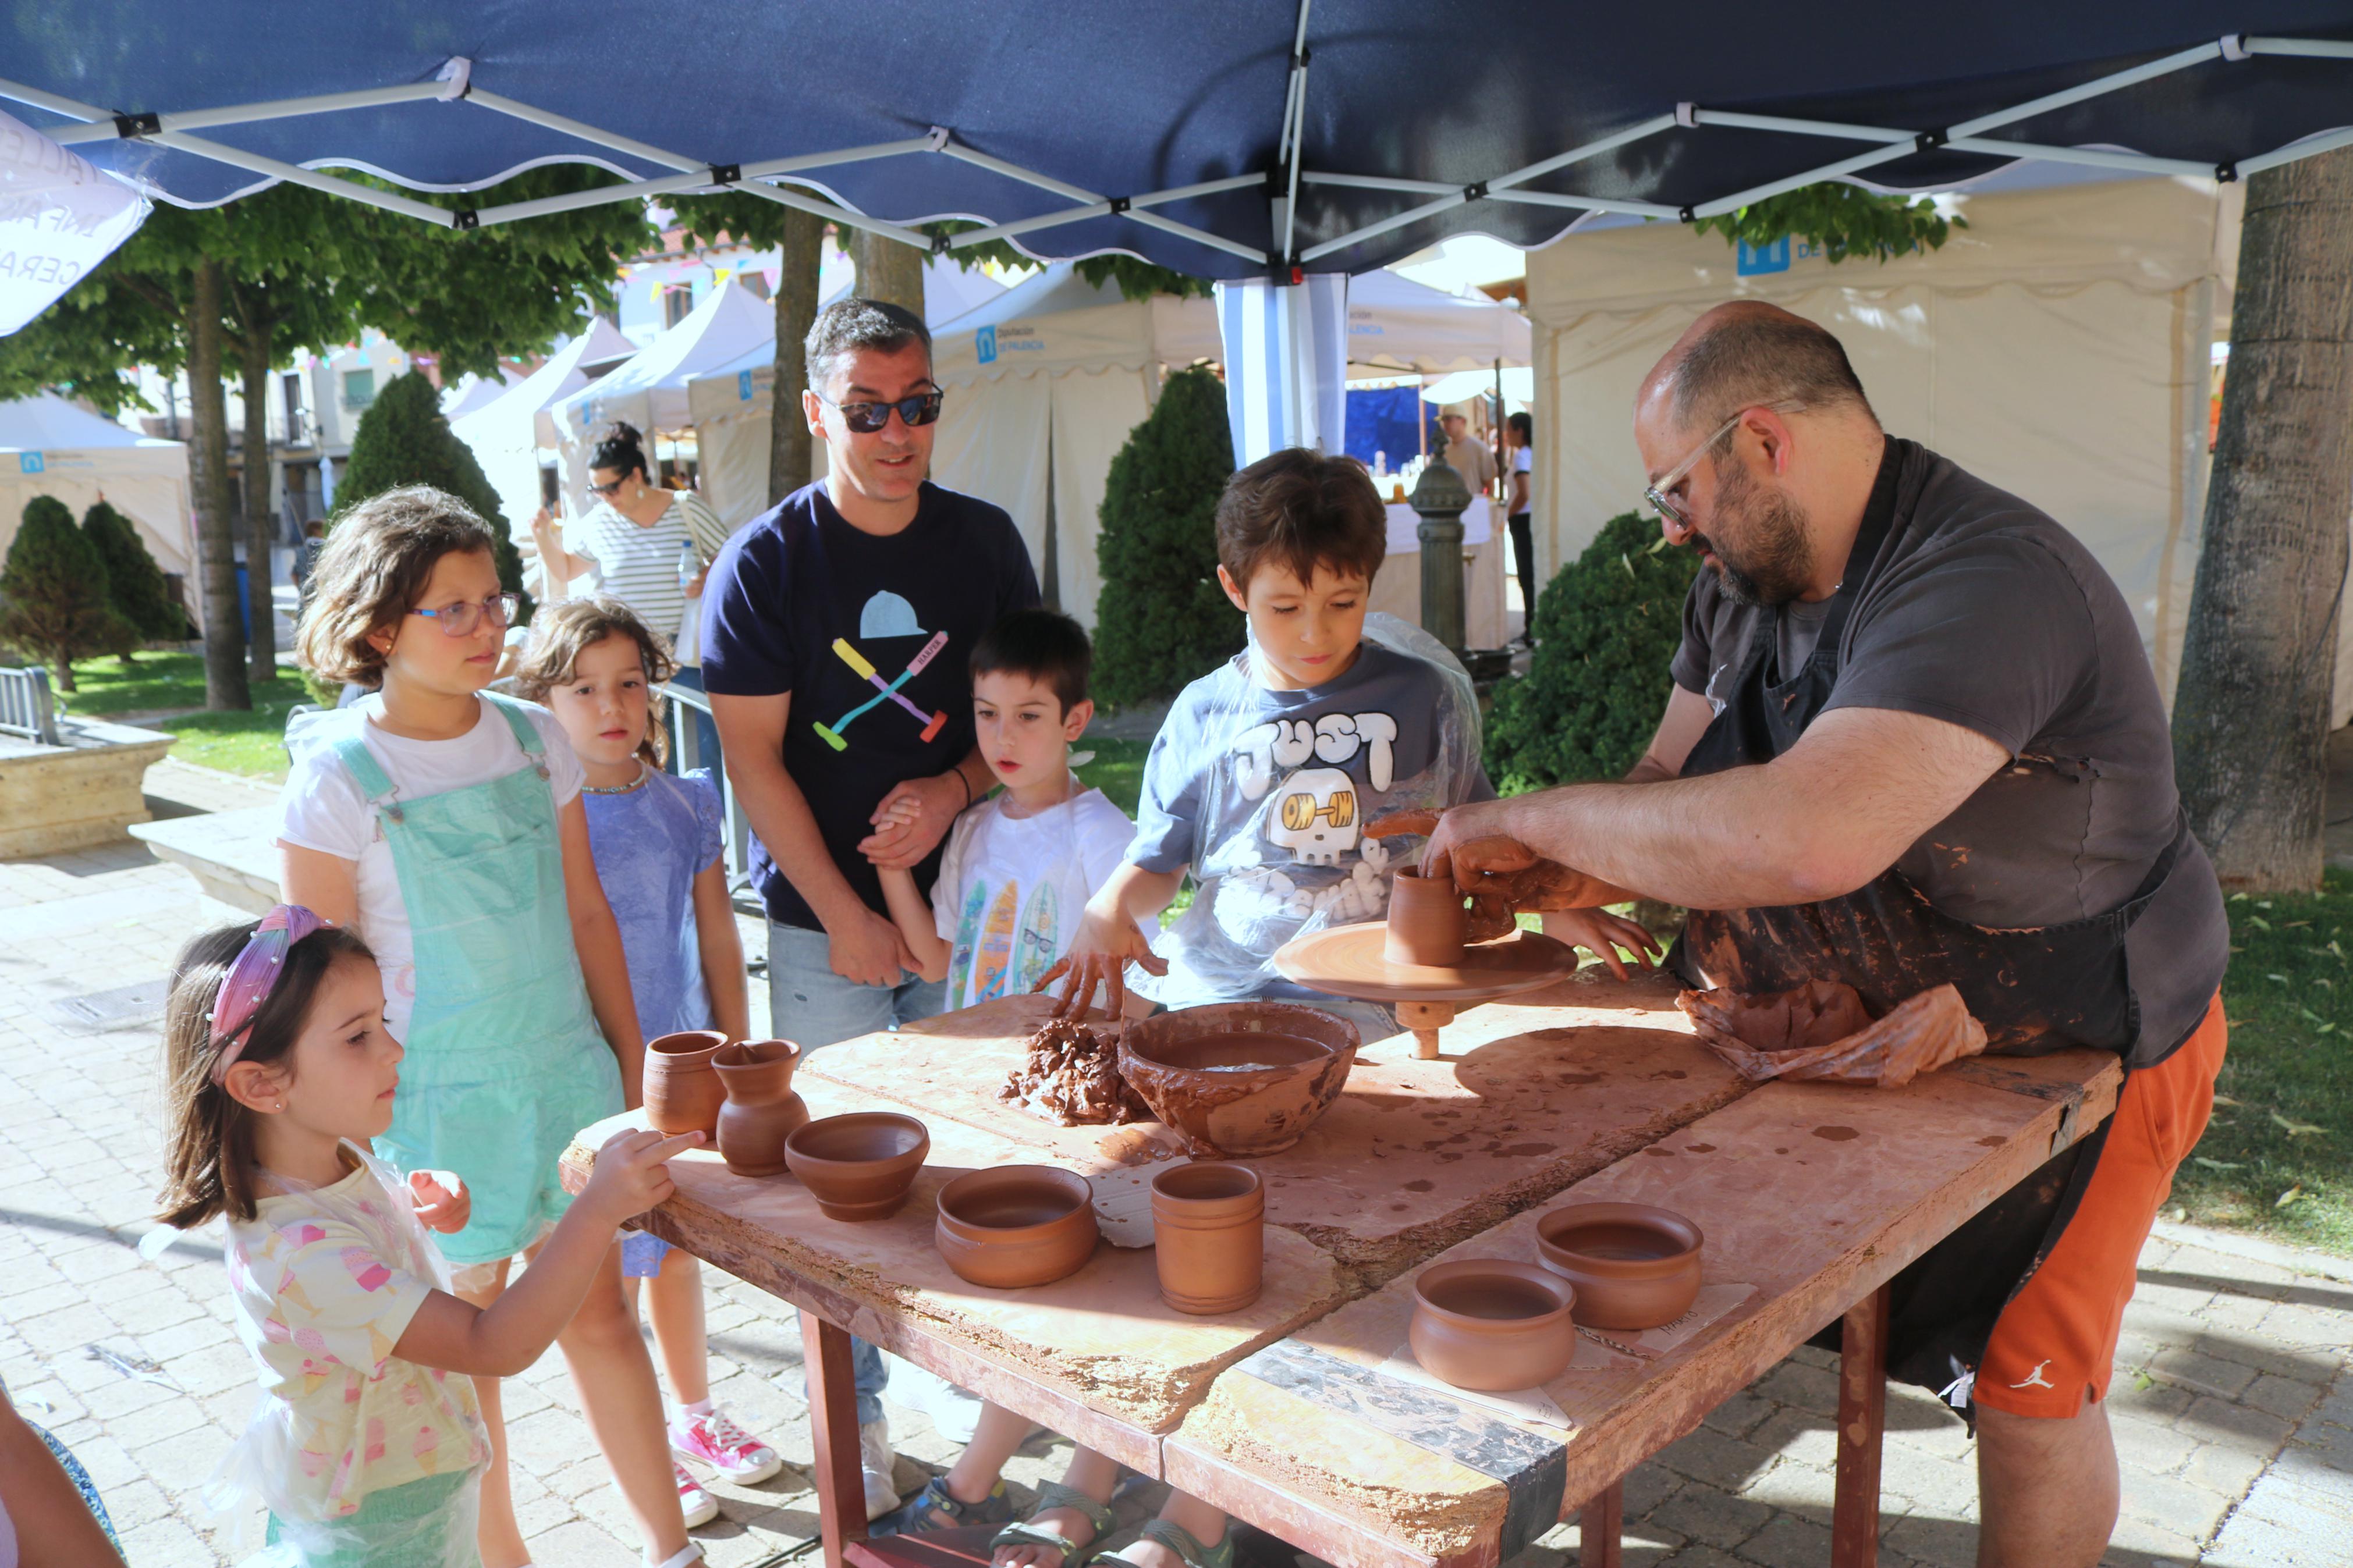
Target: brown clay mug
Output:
[(860, 1167), (681, 1091), (762, 1110), (1016, 1225), (1492, 1324), (1634, 1265), (1208, 1236), (1426, 920)]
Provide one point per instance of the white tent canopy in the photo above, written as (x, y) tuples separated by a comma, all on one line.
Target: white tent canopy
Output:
[(2058, 347), (1398, 324), (49, 447), (477, 393), (649, 390), (506, 435)]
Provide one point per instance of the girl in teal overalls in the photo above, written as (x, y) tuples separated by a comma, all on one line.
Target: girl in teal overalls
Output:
[(443, 825)]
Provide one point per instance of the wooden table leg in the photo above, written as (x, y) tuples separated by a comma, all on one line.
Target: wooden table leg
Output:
[(833, 1433), (1861, 1423), (1599, 1527)]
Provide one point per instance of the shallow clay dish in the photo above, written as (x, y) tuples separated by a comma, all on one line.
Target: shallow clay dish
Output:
[(1492, 1325), (858, 1166), (1634, 1267), (1348, 961), (1016, 1225), (1240, 1077)]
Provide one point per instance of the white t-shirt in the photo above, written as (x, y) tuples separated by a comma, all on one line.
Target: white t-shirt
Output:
[(1011, 890), (323, 808)]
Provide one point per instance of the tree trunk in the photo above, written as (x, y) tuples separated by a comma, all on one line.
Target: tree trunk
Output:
[(224, 683), (802, 253), (889, 271), (260, 522), (2251, 712)]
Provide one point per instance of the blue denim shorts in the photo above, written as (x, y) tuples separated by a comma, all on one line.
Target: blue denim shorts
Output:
[(642, 1254)]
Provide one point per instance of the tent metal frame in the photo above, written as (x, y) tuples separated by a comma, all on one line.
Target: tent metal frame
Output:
[(178, 129)]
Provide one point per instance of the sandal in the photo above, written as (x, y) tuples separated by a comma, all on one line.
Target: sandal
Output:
[(1180, 1541), (1053, 1495), (915, 1513)]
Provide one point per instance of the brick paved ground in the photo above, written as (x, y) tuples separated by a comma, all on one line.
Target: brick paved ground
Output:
[(2232, 1409)]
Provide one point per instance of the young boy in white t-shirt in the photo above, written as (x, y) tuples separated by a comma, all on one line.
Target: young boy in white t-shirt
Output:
[(1021, 866)]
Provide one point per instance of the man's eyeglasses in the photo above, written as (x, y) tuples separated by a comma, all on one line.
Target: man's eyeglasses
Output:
[(1660, 492), (866, 419), (459, 620)]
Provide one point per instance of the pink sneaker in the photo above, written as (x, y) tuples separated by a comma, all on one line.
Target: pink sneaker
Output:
[(699, 1506), (726, 1447)]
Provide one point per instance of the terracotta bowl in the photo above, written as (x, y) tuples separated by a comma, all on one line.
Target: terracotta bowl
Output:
[(1492, 1324), (1239, 1078), (1016, 1225), (858, 1166), (1634, 1267)]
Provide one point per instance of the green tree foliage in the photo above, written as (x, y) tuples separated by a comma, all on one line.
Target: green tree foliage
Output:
[(1137, 278), (1839, 221), (135, 583), (1605, 628), (53, 599), (1162, 619), (403, 439)]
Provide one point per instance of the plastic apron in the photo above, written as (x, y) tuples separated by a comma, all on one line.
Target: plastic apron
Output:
[(2035, 990), (505, 1060)]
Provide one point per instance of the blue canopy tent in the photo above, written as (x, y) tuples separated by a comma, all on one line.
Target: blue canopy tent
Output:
[(1224, 139)]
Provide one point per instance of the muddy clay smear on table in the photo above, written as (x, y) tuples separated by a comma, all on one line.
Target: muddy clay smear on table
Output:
[(1822, 1031), (1071, 1075)]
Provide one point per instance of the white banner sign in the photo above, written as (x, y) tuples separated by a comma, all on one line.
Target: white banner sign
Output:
[(60, 217)]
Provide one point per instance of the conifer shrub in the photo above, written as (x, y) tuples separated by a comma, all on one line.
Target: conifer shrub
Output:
[(403, 439), (1162, 620), (53, 596), (1605, 628), (135, 583)]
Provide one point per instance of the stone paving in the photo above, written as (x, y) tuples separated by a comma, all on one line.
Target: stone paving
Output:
[(2232, 1409)]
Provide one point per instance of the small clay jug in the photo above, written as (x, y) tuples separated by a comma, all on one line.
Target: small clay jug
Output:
[(762, 1110), (1208, 1236), (1426, 920), (1634, 1265), (1490, 1324), (683, 1092)]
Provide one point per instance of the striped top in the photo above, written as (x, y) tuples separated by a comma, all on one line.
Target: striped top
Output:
[(639, 564)]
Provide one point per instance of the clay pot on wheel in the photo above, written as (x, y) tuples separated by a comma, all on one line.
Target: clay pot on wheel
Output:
[(1239, 1078), (858, 1166), (682, 1093), (762, 1110), (1426, 920), (1016, 1225), (1634, 1267), (1492, 1325), (1208, 1236)]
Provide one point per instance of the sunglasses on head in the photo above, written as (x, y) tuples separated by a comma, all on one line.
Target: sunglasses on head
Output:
[(865, 418)]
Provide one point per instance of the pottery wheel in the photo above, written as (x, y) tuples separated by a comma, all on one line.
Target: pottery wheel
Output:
[(1347, 961)]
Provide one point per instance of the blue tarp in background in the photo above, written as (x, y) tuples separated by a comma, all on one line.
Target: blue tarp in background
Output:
[(1381, 419)]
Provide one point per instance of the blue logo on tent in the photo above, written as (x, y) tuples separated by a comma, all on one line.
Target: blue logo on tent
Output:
[(984, 342), (743, 386), (1754, 260), (30, 462)]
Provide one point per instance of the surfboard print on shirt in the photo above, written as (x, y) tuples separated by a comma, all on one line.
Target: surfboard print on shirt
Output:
[(975, 898), (1034, 950), (994, 957)]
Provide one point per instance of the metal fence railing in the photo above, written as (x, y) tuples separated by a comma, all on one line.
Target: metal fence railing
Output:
[(686, 744), (26, 707)]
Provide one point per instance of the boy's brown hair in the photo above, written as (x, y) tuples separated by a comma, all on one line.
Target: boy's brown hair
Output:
[(1301, 510), (563, 631), (379, 556)]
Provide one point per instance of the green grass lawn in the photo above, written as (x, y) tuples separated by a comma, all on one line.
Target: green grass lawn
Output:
[(249, 742), (2278, 1156)]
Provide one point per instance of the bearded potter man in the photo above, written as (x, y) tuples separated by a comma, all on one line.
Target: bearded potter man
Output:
[(1914, 739)]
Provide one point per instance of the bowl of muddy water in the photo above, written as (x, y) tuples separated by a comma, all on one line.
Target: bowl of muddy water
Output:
[(1239, 1078)]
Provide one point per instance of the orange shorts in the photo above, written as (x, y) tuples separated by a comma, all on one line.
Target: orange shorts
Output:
[(2054, 1344)]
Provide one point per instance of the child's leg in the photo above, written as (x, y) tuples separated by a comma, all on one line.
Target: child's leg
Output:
[(615, 1379), (1205, 1524), (496, 1535), (674, 1301), (1092, 1474), (994, 1438)]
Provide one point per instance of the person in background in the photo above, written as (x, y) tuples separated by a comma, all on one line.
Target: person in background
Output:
[(650, 548), (49, 1513), (1519, 436), (1467, 456), (306, 556)]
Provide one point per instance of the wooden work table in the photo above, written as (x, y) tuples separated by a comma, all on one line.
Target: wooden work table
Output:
[(1591, 1090)]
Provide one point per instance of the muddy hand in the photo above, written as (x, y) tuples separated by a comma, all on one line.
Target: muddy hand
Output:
[(1399, 824)]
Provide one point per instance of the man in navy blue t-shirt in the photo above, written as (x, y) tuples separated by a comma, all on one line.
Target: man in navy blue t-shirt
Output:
[(836, 632)]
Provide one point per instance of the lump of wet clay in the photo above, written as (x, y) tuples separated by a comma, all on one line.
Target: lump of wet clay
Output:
[(1822, 1031), (1071, 1075)]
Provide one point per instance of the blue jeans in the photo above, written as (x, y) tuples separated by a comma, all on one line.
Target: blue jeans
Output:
[(809, 1004)]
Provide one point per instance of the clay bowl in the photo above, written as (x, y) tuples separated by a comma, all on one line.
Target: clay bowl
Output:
[(858, 1166), (1490, 1324), (1426, 921), (1239, 1078), (1634, 1267), (1016, 1225)]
